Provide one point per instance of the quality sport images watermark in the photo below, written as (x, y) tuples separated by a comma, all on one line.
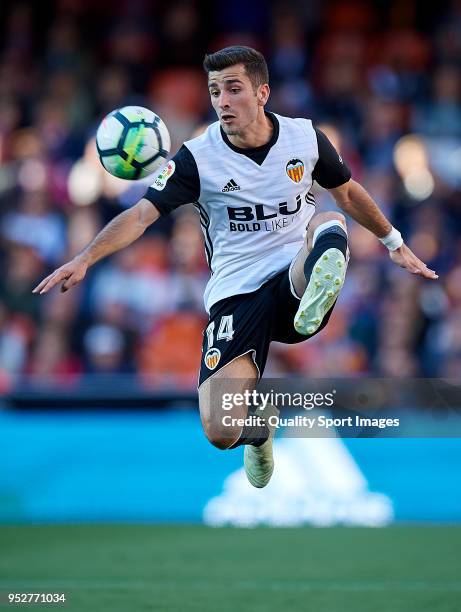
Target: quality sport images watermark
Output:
[(307, 401), (345, 407), (311, 423)]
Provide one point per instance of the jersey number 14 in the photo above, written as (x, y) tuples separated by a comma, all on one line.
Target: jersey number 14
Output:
[(225, 330)]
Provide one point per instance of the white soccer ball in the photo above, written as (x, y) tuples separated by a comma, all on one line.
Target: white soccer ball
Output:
[(132, 142)]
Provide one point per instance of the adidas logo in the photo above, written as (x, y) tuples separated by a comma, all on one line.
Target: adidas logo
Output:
[(231, 186)]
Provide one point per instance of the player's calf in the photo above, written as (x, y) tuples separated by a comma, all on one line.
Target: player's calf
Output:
[(258, 459)]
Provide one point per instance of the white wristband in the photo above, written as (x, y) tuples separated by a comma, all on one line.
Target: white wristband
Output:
[(393, 240)]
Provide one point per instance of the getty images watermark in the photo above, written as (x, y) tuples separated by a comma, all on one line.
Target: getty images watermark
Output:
[(307, 401), (364, 407)]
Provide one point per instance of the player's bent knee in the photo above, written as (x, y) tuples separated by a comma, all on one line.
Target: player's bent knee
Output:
[(221, 437), (340, 217), (324, 218), (330, 215), (220, 433)]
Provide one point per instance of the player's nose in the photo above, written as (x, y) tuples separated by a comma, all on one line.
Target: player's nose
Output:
[(223, 100)]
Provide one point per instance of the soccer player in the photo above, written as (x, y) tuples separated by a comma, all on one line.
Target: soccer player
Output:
[(276, 267)]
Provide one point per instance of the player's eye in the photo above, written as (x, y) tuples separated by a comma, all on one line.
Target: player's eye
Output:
[(235, 90), (214, 93)]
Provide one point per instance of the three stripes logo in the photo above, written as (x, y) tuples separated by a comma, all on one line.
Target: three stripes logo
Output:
[(230, 186), (205, 223), (295, 170)]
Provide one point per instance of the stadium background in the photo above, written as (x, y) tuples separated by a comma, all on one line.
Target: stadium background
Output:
[(98, 416)]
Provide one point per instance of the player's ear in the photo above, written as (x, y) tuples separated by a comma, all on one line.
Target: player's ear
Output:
[(263, 94)]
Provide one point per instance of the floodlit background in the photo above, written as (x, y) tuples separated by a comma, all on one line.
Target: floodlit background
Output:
[(383, 81)]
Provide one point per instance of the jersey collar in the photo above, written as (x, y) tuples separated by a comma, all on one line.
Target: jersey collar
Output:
[(257, 154)]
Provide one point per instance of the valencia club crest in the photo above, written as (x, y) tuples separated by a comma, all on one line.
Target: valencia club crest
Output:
[(295, 170)]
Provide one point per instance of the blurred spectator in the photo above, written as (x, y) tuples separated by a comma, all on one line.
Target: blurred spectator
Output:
[(105, 350), (36, 224), (52, 360), (440, 115), (190, 272), (15, 336), (23, 267), (138, 285), (170, 355)]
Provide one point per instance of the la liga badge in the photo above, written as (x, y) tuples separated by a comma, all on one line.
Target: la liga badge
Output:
[(165, 174)]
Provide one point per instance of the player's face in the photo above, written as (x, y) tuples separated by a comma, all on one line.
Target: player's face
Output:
[(234, 98)]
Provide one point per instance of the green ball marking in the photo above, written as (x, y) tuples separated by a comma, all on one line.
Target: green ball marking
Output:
[(133, 144)]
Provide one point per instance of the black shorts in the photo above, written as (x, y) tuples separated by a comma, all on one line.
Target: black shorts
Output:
[(247, 323)]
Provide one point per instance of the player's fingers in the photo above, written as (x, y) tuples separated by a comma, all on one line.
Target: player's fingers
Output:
[(416, 266), (418, 263), (53, 280), (423, 269), (408, 264), (50, 284), (67, 285), (429, 274), (71, 281), (403, 261), (405, 258), (40, 286)]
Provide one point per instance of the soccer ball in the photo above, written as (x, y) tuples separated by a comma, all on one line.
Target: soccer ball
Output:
[(132, 142)]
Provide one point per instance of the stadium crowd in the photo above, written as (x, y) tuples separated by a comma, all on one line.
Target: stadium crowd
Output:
[(382, 80)]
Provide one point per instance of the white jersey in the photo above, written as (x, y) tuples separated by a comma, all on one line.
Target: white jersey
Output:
[(253, 215)]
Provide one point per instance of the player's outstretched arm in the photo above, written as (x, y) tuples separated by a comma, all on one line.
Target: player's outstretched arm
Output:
[(357, 202), (124, 229)]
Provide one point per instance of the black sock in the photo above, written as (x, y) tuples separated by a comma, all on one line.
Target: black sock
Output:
[(333, 237), (255, 434)]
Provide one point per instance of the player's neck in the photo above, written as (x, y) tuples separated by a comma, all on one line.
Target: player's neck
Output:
[(256, 134)]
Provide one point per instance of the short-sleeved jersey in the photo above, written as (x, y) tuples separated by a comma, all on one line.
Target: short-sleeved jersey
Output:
[(254, 204)]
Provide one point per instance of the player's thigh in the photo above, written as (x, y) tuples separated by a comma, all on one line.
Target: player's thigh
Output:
[(236, 377), (298, 278)]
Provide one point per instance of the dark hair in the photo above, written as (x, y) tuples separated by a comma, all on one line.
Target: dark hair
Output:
[(254, 62)]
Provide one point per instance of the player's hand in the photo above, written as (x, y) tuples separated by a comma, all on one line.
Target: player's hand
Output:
[(69, 275), (405, 258)]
